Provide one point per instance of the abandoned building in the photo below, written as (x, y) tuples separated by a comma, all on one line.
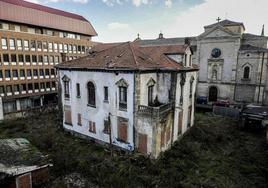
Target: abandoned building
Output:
[(130, 96), (21, 164), (233, 64), (34, 38)]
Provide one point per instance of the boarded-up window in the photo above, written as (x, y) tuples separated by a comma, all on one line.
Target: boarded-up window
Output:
[(24, 181), (122, 129), (142, 143), (79, 119), (68, 115), (92, 127), (180, 122)]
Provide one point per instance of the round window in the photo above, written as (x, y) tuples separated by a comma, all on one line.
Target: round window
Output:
[(216, 52)]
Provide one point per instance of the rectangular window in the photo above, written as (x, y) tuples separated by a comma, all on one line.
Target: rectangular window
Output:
[(78, 37), (52, 72), (74, 48), (182, 91), (6, 58), (79, 49), (19, 44), (39, 46), (50, 47), (83, 49), (65, 48), (150, 95), (5, 26), (30, 86), (78, 90), (29, 73), (40, 59), (56, 60), (33, 45), (45, 46), (106, 94), (7, 73), (9, 89), (28, 58), (42, 85), (60, 48), (12, 44), (45, 58), (92, 127), (79, 119), (35, 72), (41, 72), (66, 89), (21, 59), (51, 59), (122, 98), (2, 90), (36, 86), (31, 30), (53, 84), (23, 86), (48, 85), (16, 88), (13, 58), (4, 43), (47, 72), (49, 32), (15, 73), (26, 45), (22, 73), (70, 48), (1, 74), (34, 58), (17, 28), (61, 34), (55, 47)]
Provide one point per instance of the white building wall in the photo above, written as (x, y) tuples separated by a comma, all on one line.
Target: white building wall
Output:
[(161, 88), (102, 110), (187, 101)]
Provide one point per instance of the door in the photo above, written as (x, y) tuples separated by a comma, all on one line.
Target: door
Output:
[(213, 94), (142, 143), (180, 123)]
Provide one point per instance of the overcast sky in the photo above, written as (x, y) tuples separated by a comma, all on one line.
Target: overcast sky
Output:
[(121, 20)]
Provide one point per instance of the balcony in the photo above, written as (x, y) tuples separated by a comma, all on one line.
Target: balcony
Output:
[(155, 111)]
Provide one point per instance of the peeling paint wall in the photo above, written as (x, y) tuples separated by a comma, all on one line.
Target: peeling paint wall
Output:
[(102, 110)]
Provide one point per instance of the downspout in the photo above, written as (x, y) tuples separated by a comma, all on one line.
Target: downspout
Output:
[(134, 110), (260, 77), (234, 97)]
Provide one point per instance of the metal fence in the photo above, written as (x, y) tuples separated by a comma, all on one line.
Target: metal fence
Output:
[(226, 111)]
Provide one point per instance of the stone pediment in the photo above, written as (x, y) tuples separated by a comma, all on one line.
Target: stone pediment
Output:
[(217, 32)]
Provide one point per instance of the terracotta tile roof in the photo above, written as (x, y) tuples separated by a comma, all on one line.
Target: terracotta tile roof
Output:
[(128, 56), (33, 14), (226, 23)]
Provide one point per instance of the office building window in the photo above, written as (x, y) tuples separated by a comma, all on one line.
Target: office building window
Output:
[(29, 73), (6, 58), (19, 44), (33, 45), (45, 46), (7, 73), (4, 43), (22, 73), (15, 73), (106, 94), (20, 57), (34, 58), (13, 58), (12, 44), (39, 45), (27, 58), (26, 45), (50, 47), (45, 58)]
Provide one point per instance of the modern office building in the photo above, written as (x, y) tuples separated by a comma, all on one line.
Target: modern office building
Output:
[(34, 38)]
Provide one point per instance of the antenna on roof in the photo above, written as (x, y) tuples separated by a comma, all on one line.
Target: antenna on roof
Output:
[(218, 19)]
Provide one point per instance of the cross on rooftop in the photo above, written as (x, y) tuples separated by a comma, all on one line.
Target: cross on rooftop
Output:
[(218, 19)]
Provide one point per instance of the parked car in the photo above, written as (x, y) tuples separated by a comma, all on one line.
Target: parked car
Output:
[(222, 102), (201, 100)]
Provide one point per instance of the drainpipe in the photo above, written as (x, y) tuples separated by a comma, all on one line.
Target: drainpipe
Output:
[(236, 76), (260, 77)]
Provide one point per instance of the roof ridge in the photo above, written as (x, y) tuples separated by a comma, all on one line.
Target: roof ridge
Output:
[(133, 54), (119, 44)]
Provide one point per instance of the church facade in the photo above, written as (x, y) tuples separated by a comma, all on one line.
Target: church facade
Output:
[(233, 64)]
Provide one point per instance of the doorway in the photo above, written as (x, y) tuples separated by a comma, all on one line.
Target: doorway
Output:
[(213, 94)]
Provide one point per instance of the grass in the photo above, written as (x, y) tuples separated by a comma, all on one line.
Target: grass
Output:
[(214, 153)]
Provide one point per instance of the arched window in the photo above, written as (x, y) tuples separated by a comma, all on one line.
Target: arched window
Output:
[(91, 94), (246, 72)]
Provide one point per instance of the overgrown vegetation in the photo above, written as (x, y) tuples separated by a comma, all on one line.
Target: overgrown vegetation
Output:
[(214, 153)]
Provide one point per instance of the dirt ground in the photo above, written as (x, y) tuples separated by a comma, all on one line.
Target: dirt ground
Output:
[(214, 153)]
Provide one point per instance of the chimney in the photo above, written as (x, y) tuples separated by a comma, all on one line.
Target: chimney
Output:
[(262, 32), (161, 36)]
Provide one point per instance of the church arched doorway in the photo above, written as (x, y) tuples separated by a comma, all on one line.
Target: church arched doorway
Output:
[(213, 94)]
